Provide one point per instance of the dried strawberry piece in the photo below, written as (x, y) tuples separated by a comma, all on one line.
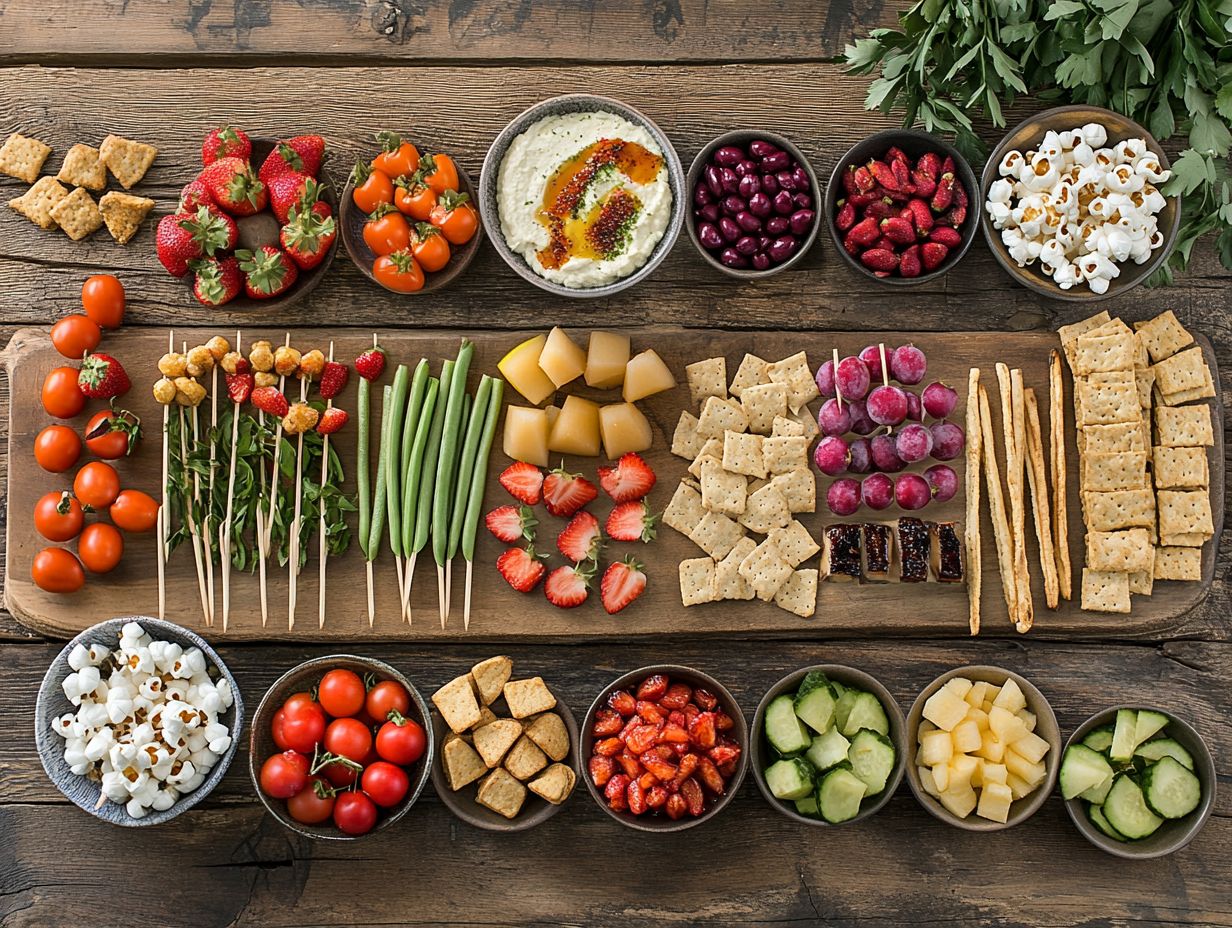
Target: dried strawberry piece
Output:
[(864, 179), (929, 165), (702, 731), (894, 153), (945, 194), (898, 230), (684, 770), (925, 186), (957, 215), (648, 779), (846, 217), (676, 807), (947, 165), (885, 243), (629, 764), (726, 750), (851, 247), (933, 254), (609, 747), (635, 797), (723, 721), (865, 231), (902, 173), (662, 769), (728, 769), (653, 687), (676, 717), (879, 259), (909, 265), (656, 797), (616, 792), (642, 738), (881, 209), (884, 175), (607, 722), (704, 698), (947, 236), (691, 712), (601, 770), (692, 793), (863, 198), (666, 752), (710, 776), (677, 696), (631, 723), (673, 734), (647, 711), (623, 702), (680, 748)]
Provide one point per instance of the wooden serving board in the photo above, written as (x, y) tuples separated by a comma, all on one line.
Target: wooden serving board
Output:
[(499, 613)]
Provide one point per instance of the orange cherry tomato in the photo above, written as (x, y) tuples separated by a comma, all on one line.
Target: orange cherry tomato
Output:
[(439, 173), (57, 448), (57, 571), (58, 517), (135, 511), (97, 485), (398, 159), (372, 188), (429, 247), (416, 200), (455, 217), (100, 547), (102, 297), (386, 231), (399, 272), (118, 439), (75, 336), (62, 397)]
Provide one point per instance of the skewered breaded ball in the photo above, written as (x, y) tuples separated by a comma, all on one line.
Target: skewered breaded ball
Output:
[(164, 391), (188, 392), (172, 364), (218, 347), (286, 360), (261, 356), (231, 362), (311, 365), (265, 379), (200, 361), (299, 418)]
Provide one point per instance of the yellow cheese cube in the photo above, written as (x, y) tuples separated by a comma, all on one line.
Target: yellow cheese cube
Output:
[(526, 435), (624, 429), (561, 359), (959, 686), (993, 773), (926, 781), (995, 801), (980, 717), (1028, 718), (1006, 725), (966, 736), (962, 770), (1032, 747), (1018, 788), (1031, 773), (646, 375), (945, 709), (576, 430), (987, 707), (977, 694), (1010, 697), (606, 358), (936, 748), (521, 368), (553, 412), (960, 801), (977, 777), (990, 748), (941, 777)]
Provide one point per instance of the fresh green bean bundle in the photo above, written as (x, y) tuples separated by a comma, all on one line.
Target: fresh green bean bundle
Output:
[(393, 461), (466, 463), (447, 462), (418, 421), (382, 476), (479, 476), (427, 481), (363, 412)]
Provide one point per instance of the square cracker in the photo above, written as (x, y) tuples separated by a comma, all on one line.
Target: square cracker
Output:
[(554, 784), (1178, 564), (1070, 332), (123, 214), (462, 763), (490, 677), (716, 534), (711, 450), (752, 371), (127, 160), (685, 510), (765, 570), (22, 157), (722, 491), (686, 442), (82, 167), (549, 732), (1105, 591), (799, 488), (796, 374), (1104, 402), (501, 793), (742, 454), (766, 510), (707, 378), (1144, 380), (783, 427), (37, 202), (1163, 336), (1185, 539), (1184, 426), (1183, 468), (785, 454), (457, 704), (1114, 351), (1183, 371), (1142, 582), (1119, 437), (696, 581), (727, 582), (1121, 470), (719, 416), (794, 543), (1107, 512), (1203, 392), (77, 214), (1185, 512), (799, 594), (528, 697), (1129, 550), (763, 403), (525, 759)]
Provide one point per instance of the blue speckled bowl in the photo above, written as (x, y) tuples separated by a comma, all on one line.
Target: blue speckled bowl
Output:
[(84, 793), (577, 103)]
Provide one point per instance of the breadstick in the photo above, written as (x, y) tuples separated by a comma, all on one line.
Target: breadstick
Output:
[(1022, 573), (1056, 454), (1006, 390), (1038, 480), (972, 478), (996, 506)]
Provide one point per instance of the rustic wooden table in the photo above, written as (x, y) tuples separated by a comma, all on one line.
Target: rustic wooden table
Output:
[(456, 72)]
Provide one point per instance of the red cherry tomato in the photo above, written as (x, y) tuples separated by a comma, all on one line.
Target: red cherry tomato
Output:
[(341, 693), (134, 511), (354, 813), (75, 335), (58, 516), (386, 783), (303, 731), (115, 441), (100, 547), (102, 297), (340, 775), (313, 804), (386, 697), (440, 173), (349, 738), (97, 485), (401, 742), (276, 729), (62, 397), (298, 702), (283, 775), (57, 571), (372, 188), (386, 231), (57, 448)]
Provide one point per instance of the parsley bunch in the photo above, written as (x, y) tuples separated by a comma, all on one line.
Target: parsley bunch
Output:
[(1166, 64)]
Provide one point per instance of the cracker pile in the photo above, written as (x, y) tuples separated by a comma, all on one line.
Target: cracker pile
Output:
[(1145, 495), (749, 447), (51, 205)]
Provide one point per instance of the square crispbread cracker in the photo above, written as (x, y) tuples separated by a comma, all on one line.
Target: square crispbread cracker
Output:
[(782, 427), (1184, 426), (1203, 392), (1118, 509), (1178, 564), (1068, 333), (525, 759), (490, 677), (494, 740), (528, 697), (22, 157), (37, 202), (1120, 437), (123, 213), (799, 488), (799, 594), (763, 403), (711, 450), (696, 581), (462, 763), (1142, 357), (1185, 512), (751, 372), (1142, 582), (727, 582), (1185, 539), (765, 511), (722, 491), (83, 167), (78, 215), (807, 419), (457, 704), (716, 534), (1105, 591), (685, 509), (794, 543), (1105, 402), (1144, 380), (795, 373), (1114, 351), (1182, 372), (782, 455), (765, 570), (686, 442), (1121, 470), (1129, 550), (742, 454), (1163, 336), (126, 160), (719, 416), (707, 378), (549, 732), (1180, 468), (501, 793)]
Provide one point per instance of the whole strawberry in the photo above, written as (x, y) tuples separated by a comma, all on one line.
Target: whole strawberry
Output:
[(102, 377), (217, 280), (307, 237), (333, 379), (234, 187), (332, 420), (175, 244), (225, 142), (212, 229), (289, 191), (371, 364), (268, 272), (193, 195), (301, 153), (270, 400)]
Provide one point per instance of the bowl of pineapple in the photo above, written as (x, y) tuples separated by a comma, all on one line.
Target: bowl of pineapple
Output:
[(987, 747)]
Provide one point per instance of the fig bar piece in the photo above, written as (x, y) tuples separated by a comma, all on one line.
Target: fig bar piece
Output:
[(878, 544), (913, 547), (840, 553), (947, 552)]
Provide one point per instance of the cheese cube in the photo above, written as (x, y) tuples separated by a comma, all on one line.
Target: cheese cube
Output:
[(936, 748), (624, 429), (977, 776), (962, 770), (1006, 725), (959, 686), (980, 717), (1031, 773), (990, 748), (576, 429), (995, 801), (520, 368), (926, 781), (941, 777), (606, 358), (646, 375), (966, 736), (1010, 697), (945, 709), (994, 773), (561, 358), (977, 694), (1028, 718), (1031, 747), (1018, 787), (959, 801), (526, 435)]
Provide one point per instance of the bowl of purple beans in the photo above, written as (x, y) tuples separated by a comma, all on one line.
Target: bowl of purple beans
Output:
[(755, 203)]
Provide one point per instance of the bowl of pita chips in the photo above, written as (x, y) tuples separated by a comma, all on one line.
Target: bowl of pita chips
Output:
[(509, 748)]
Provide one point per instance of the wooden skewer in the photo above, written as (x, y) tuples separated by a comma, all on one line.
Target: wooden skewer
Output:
[(293, 561), (224, 533), (196, 495), (323, 549), (440, 593), (267, 524), (448, 586), (885, 368), (838, 394), (261, 530), (162, 506), (406, 591), (466, 600), (371, 595), (209, 495)]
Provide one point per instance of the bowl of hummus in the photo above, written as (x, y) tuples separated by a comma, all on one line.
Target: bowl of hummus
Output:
[(582, 195)]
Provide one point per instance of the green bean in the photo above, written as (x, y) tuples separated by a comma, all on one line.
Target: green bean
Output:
[(427, 481), (362, 476), (382, 476), (410, 426), (466, 463), (479, 477), (447, 462), (393, 465), (410, 497)]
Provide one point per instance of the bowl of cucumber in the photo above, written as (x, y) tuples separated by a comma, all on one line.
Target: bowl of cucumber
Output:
[(1137, 781), (828, 745)]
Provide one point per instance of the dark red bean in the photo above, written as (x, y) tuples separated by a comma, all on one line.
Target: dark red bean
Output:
[(747, 221), (777, 225), (760, 148), (783, 204), (729, 230), (770, 184), (802, 200), (786, 180), (747, 246), (782, 248), (760, 261), (775, 162), (709, 236), (746, 167), (733, 259), (728, 179), (801, 221), (749, 185), (702, 195), (728, 156), (711, 175), (801, 176), (709, 212), (760, 205)]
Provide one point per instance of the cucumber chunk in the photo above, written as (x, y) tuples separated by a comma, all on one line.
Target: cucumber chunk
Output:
[(872, 759), (1149, 724), (815, 702), (1098, 793), (1127, 811), (828, 749), (1123, 743), (1164, 747), (1099, 739), (784, 730), (790, 778), (866, 712), (1083, 769), (808, 806), (1096, 814), (1171, 789), (846, 699), (839, 794)]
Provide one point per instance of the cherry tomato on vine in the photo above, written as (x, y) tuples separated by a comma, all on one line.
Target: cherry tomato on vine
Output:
[(455, 217), (57, 448), (439, 173), (354, 813), (75, 336), (276, 729), (414, 199), (313, 804), (386, 697), (386, 783), (58, 516), (283, 775), (398, 158), (372, 188), (341, 693), (100, 547), (401, 742), (112, 434), (349, 738), (135, 511), (97, 485), (429, 246), (102, 297), (399, 272), (57, 571), (62, 397)]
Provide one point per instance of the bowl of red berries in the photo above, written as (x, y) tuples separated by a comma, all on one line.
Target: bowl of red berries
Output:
[(898, 206), (255, 229), (340, 747)]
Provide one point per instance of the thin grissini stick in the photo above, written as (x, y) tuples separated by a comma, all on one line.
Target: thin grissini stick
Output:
[(323, 548), (467, 405), (1056, 455), (427, 484), (1037, 478), (428, 416), (1008, 435), (410, 482), (393, 468), (479, 479), (996, 506), (267, 527), (446, 468), (165, 494), (975, 443), (377, 525), (1022, 573), (224, 531), (293, 561)]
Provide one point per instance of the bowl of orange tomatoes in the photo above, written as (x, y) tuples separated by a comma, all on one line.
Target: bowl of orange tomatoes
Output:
[(409, 220)]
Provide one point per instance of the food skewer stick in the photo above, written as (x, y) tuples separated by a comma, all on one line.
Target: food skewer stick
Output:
[(885, 368), (474, 419), (162, 506), (265, 529), (414, 480), (209, 495), (446, 470), (409, 477), (1037, 477), (474, 504), (838, 394), (996, 506), (1022, 575), (224, 531), (193, 529), (323, 546), (362, 476), (1056, 457), (293, 560), (975, 443)]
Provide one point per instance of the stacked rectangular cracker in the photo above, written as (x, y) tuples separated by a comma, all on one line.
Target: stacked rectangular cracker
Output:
[(749, 448)]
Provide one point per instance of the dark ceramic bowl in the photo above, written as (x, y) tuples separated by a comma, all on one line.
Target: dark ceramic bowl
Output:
[(52, 703), (694, 678), (763, 755), (1024, 137), (351, 231), (1045, 726), (914, 143), (743, 137), (578, 103), (1171, 835), (303, 678), (535, 810)]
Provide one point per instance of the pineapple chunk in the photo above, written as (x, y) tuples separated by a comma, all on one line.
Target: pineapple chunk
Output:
[(995, 800), (521, 368), (926, 726), (1028, 718), (987, 707), (1031, 773), (994, 773), (646, 375), (960, 801), (959, 686), (526, 435), (977, 694), (624, 429), (926, 781), (980, 717), (1018, 788), (606, 358), (945, 709), (1006, 725), (576, 430), (977, 776), (941, 777), (1031, 747), (962, 770), (936, 748), (1010, 697), (990, 748), (561, 359), (966, 735)]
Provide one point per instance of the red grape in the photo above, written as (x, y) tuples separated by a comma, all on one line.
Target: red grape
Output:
[(861, 456), (914, 412), (939, 400), (948, 440), (887, 405), (843, 497), (825, 379), (911, 491), (832, 455), (885, 457), (871, 356), (861, 424), (908, 364), (851, 378), (833, 420), (943, 480), (914, 443), (877, 491)]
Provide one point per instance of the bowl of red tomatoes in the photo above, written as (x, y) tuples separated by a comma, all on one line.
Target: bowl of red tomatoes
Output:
[(409, 220), (340, 747)]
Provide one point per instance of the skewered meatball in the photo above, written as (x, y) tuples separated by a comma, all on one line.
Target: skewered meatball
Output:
[(299, 418), (218, 347), (188, 392), (261, 356), (311, 365), (164, 391), (286, 360), (200, 361), (172, 364), (231, 362), (265, 379)]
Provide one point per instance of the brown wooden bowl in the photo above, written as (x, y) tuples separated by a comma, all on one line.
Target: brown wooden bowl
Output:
[(303, 678), (351, 221), (694, 678), (1024, 137), (535, 810), (1045, 726)]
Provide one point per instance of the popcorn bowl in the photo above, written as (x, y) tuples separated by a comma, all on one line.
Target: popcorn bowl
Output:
[(86, 793)]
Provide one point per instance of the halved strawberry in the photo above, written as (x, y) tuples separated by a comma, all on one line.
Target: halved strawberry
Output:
[(520, 568), (580, 540), (631, 521), (511, 523), (270, 400), (332, 420), (630, 479), (565, 493), (622, 583), (567, 587), (523, 481)]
